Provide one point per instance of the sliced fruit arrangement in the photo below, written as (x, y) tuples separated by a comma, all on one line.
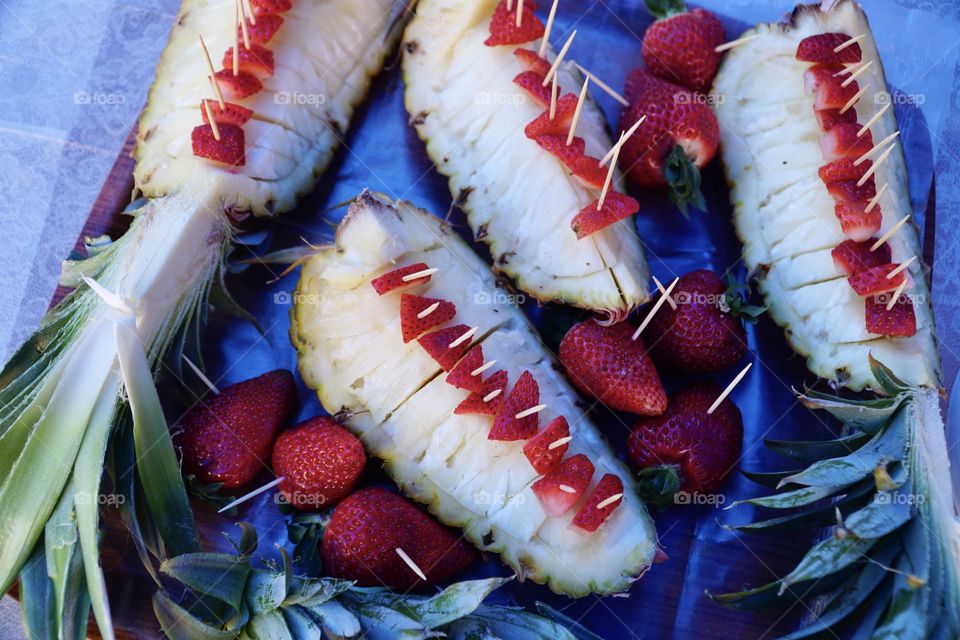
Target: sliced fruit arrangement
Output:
[(803, 184), (475, 453), (529, 176)]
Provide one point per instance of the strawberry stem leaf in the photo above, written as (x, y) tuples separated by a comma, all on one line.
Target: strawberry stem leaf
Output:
[(734, 302), (658, 485), (683, 178), (665, 8)]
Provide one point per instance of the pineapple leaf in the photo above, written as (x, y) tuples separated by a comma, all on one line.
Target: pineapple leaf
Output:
[(828, 557), (906, 617), (865, 415), (455, 601), (219, 575), (792, 499), (266, 590), (580, 631), (683, 178), (179, 624), (268, 625), (516, 624), (769, 479), (889, 383), (821, 516), (336, 619), (885, 514), (769, 595), (300, 623), (810, 451)]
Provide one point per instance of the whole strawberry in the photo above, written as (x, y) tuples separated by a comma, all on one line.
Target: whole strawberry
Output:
[(319, 461), (607, 364), (227, 438), (372, 527), (679, 136), (686, 449), (705, 332), (680, 46)]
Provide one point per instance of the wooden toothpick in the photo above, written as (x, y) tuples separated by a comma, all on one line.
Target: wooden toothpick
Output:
[(248, 12), (600, 83), (893, 274), (493, 394), (530, 411), (889, 234), (252, 494), (872, 121), (853, 76), (653, 311), (876, 165), (876, 198), (236, 39), (576, 112), (663, 292), (482, 368), (613, 167), (603, 504), (736, 43), (519, 13), (423, 314), (403, 554), (852, 101), (840, 47), (469, 333), (189, 362), (553, 97), (419, 274), (559, 443), (895, 296), (559, 59), (242, 19), (626, 136), (210, 119), (726, 392), (546, 30), (213, 74), (880, 144)]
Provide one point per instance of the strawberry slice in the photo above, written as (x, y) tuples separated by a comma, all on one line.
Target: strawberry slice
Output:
[(462, 375), (616, 207), (820, 48), (568, 154), (229, 149), (843, 169), (851, 257), (900, 321), (609, 493), (560, 489), (532, 61), (542, 457), (237, 87), (842, 142), (589, 172), (818, 75), (230, 113), (559, 125), (821, 79), (412, 325), (257, 60), (393, 280), (269, 7), (875, 280), (503, 25), (532, 83), (829, 118), (849, 191), (475, 403), (437, 344), (263, 31), (524, 395), (855, 222)]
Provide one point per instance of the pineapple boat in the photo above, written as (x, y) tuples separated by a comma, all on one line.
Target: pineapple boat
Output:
[(479, 92), (214, 146), (402, 330), (819, 189)]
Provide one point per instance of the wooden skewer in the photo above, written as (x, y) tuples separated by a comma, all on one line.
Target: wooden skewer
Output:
[(567, 488), (553, 97), (493, 394), (855, 74), (613, 167), (419, 274), (252, 494), (893, 274), (410, 563), (889, 234), (559, 58), (653, 311), (726, 392), (236, 39), (213, 122), (482, 368), (243, 26), (603, 504), (559, 442), (876, 198), (663, 292), (576, 112), (423, 314), (509, 5), (896, 295), (546, 30), (600, 83), (213, 74), (519, 13), (200, 375), (616, 148), (880, 144), (843, 45), (530, 411), (248, 11), (876, 165), (852, 101), (872, 121), (736, 43), (466, 336)]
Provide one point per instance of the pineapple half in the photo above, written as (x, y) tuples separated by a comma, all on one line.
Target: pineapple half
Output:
[(519, 199), (784, 215), (396, 399)]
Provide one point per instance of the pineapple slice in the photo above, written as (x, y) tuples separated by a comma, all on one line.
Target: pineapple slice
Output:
[(396, 399), (519, 199), (784, 215)]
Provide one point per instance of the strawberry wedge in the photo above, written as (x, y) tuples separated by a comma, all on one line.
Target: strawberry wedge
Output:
[(615, 207), (545, 450), (842, 141), (229, 149), (446, 346), (828, 118), (855, 221), (503, 25), (532, 61), (263, 31), (393, 280), (257, 60), (851, 257), (843, 169), (524, 395), (237, 87), (560, 489), (462, 376), (876, 280), (419, 315), (559, 125), (490, 398), (822, 48), (602, 501), (532, 83), (568, 154), (230, 113), (900, 321), (822, 81)]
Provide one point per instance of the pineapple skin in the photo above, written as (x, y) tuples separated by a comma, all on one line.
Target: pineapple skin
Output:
[(394, 397), (784, 216)]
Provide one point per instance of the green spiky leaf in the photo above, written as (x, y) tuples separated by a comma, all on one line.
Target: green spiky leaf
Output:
[(683, 179)]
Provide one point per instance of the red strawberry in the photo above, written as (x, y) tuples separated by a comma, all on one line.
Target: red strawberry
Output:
[(680, 46), (230, 113), (542, 457), (607, 364), (616, 207), (524, 395), (559, 125), (850, 191), (229, 149), (900, 321), (237, 87), (503, 25), (227, 438), (820, 48), (843, 169), (609, 493), (267, 7), (461, 376), (704, 333), (319, 462), (822, 80), (679, 136), (257, 60), (820, 74), (590, 172), (437, 344), (412, 325), (852, 257), (842, 142), (560, 489), (855, 222), (263, 31), (828, 118), (475, 403), (686, 448), (568, 154), (532, 61), (366, 531), (393, 280), (875, 280), (532, 83)]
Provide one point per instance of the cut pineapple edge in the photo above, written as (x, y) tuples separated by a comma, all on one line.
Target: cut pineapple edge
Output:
[(395, 398), (784, 215), (519, 199)]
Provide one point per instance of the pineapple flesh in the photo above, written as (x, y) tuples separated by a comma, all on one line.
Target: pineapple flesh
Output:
[(395, 397), (519, 199), (784, 215)]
